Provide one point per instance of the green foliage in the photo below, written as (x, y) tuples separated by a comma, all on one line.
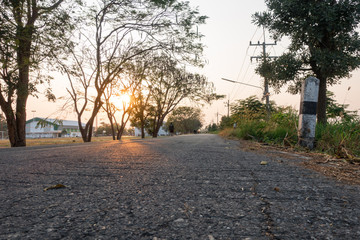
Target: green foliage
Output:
[(323, 34), (185, 119), (252, 123), (281, 71), (339, 139), (324, 39), (44, 122), (169, 84), (337, 112), (250, 130), (104, 129), (282, 132), (32, 33), (225, 122), (118, 33), (212, 128), (249, 108), (3, 125), (285, 116)]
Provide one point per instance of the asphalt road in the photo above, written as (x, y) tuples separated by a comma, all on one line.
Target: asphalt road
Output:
[(183, 187)]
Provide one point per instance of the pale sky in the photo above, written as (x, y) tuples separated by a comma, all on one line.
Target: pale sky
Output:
[(228, 33)]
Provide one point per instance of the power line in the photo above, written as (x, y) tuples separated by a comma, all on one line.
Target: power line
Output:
[(236, 89), (264, 57)]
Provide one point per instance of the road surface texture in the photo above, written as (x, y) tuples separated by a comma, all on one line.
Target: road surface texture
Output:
[(182, 187)]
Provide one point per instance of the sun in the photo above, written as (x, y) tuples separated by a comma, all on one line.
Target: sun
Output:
[(121, 101)]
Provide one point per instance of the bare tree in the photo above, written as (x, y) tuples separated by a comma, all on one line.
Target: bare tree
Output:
[(110, 108), (124, 30), (142, 109), (171, 84)]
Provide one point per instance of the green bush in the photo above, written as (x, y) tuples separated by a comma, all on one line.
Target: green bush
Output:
[(281, 128), (340, 137), (335, 138)]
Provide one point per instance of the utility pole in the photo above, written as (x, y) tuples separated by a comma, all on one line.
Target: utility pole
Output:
[(264, 57), (228, 107), (227, 104)]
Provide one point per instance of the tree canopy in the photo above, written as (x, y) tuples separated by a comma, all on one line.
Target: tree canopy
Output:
[(170, 84), (30, 32), (324, 43), (185, 119), (117, 32)]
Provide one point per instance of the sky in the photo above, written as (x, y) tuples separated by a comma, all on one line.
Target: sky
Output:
[(228, 32)]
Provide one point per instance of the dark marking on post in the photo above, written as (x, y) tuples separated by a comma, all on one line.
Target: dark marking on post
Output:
[(308, 108)]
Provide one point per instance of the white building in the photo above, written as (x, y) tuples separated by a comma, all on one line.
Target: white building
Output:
[(162, 132), (51, 128)]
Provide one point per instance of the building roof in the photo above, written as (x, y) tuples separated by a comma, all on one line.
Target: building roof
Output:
[(56, 122)]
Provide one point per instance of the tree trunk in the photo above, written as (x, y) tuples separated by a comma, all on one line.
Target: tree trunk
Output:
[(142, 130), (18, 122), (322, 101), (113, 131), (155, 130), (112, 127), (120, 132), (90, 132), (157, 126), (86, 133), (17, 138), (21, 117), (142, 125), (12, 131)]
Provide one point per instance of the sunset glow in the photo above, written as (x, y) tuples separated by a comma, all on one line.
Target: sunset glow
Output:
[(122, 101)]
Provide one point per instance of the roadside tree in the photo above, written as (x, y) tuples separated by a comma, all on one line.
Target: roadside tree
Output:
[(171, 84), (141, 110), (249, 108), (185, 119), (324, 43), (116, 32), (30, 33)]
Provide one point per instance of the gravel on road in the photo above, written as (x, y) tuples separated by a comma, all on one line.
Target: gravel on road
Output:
[(182, 187)]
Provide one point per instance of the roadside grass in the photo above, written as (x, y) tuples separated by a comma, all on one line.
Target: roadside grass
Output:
[(340, 140), (55, 141)]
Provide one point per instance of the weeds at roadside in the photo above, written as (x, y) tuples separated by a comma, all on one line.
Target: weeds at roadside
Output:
[(340, 140)]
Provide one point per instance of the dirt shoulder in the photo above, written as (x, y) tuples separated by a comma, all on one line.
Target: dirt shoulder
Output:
[(339, 169)]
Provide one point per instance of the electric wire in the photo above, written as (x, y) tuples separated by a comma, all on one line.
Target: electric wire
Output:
[(243, 62), (241, 88)]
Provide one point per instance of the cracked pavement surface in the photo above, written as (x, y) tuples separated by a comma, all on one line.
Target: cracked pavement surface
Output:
[(183, 187)]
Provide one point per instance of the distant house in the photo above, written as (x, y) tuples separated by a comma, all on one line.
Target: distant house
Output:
[(51, 128)]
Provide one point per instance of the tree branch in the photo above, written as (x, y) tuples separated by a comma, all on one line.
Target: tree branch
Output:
[(43, 10)]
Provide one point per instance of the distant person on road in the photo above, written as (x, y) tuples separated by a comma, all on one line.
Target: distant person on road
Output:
[(171, 129)]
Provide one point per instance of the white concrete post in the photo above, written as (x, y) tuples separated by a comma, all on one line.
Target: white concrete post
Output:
[(307, 118)]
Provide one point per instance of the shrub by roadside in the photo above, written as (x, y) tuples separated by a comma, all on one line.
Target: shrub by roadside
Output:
[(340, 140)]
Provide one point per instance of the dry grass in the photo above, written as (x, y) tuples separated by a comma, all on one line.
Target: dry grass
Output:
[(339, 169), (55, 141)]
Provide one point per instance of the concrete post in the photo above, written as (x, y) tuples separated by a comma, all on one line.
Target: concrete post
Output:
[(307, 118)]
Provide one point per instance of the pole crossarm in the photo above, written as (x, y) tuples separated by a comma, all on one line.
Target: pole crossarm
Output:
[(225, 79), (261, 57), (261, 44)]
